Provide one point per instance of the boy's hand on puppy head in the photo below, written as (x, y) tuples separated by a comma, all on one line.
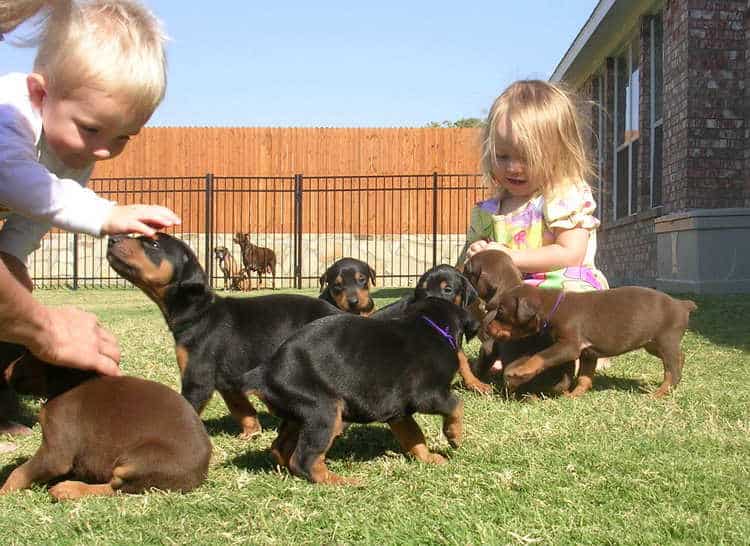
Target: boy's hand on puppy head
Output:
[(141, 219)]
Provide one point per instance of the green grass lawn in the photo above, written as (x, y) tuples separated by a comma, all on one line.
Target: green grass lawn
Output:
[(614, 467)]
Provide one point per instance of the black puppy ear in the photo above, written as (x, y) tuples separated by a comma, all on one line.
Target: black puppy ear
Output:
[(470, 326), (371, 273), (323, 279), (194, 279)]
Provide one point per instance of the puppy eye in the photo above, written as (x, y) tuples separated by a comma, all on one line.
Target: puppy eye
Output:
[(361, 281), (153, 243), (447, 290)]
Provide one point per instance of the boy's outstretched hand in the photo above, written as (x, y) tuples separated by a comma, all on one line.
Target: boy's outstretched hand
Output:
[(143, 219)]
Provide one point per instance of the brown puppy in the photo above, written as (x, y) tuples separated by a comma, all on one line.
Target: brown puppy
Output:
[(234, 276), (491, 272), (113, 433), (256, 258), (10, 409), (590, 325)]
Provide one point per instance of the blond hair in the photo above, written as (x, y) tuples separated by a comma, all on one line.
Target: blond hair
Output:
[(116, 45), (544, 121)]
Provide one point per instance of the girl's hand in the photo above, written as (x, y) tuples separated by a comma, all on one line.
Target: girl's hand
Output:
[(480, 246)]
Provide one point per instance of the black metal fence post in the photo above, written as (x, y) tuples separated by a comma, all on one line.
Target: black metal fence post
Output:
[(209, 227), (298, 230), (434, 217), (75, 261)]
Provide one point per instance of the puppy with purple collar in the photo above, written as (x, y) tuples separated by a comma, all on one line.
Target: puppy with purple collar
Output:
[(349, 369)]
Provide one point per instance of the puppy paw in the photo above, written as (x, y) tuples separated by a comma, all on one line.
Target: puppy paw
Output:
[(251, 430), (435, 458), (481, 388), (68, 490)]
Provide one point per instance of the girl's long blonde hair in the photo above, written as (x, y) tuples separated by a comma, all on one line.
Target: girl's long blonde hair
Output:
[(545, 121)]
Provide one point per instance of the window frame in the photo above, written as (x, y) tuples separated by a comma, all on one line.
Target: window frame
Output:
[(626, 51), (653, 122)]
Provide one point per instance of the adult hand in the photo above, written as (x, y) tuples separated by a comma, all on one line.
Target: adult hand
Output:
[(142, 219), (73, 338)]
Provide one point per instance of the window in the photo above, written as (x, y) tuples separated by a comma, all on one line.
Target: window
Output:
[(657, 103), (627, 99), (599, 140)]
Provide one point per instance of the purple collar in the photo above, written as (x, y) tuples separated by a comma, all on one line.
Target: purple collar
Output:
[(545, 324), (445, 333)]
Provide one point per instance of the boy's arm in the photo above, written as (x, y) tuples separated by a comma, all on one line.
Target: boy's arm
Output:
[(27, 186), (64, 336)]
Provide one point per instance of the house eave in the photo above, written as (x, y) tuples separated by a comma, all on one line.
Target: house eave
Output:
[(607, 28)]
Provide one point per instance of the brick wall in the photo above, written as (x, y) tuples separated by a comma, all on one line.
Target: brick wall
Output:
[(675, 180), (716, 51)]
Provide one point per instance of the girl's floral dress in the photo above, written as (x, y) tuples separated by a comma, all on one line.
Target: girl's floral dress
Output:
[(530, 226)]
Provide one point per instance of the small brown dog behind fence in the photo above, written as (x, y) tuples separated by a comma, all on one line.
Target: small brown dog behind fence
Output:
[(235, 277), (256, 258)]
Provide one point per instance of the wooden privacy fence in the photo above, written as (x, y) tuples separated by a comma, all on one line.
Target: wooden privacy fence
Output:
[(400, 224), (284, 151)]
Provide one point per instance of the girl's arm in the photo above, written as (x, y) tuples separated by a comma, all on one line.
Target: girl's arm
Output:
[(569, 249)]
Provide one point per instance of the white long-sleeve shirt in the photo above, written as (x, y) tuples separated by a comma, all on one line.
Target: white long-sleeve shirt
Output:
[(38, 191)]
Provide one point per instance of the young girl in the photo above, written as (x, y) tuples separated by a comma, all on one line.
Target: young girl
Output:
[(542, 214)]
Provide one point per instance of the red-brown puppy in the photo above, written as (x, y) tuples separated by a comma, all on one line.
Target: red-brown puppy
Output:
[(113, 433), (346, 284), (591, 325), (491, 272)]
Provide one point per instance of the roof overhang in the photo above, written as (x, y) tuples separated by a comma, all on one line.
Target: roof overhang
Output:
[(607, 28)]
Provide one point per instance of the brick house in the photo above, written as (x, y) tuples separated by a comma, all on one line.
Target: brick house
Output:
[(671, 139)]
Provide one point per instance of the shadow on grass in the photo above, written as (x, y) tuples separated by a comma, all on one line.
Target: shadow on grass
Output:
[(601, 383), (10, 467), (227, 424), (358, 443), (721, 319)]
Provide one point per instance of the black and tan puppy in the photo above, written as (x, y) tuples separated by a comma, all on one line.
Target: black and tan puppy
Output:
[(256, 258), (113, 433), (442, 281), (216, 339), (350, 369), (591, 325), (445, 282), (346, 284)]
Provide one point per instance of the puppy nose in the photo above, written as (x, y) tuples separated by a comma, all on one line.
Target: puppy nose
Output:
[(352, 301)]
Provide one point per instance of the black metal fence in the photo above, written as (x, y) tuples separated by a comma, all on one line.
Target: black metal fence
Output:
[(401, 225)]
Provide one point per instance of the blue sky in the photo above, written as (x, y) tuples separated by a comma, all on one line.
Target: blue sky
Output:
[(349, 64)]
